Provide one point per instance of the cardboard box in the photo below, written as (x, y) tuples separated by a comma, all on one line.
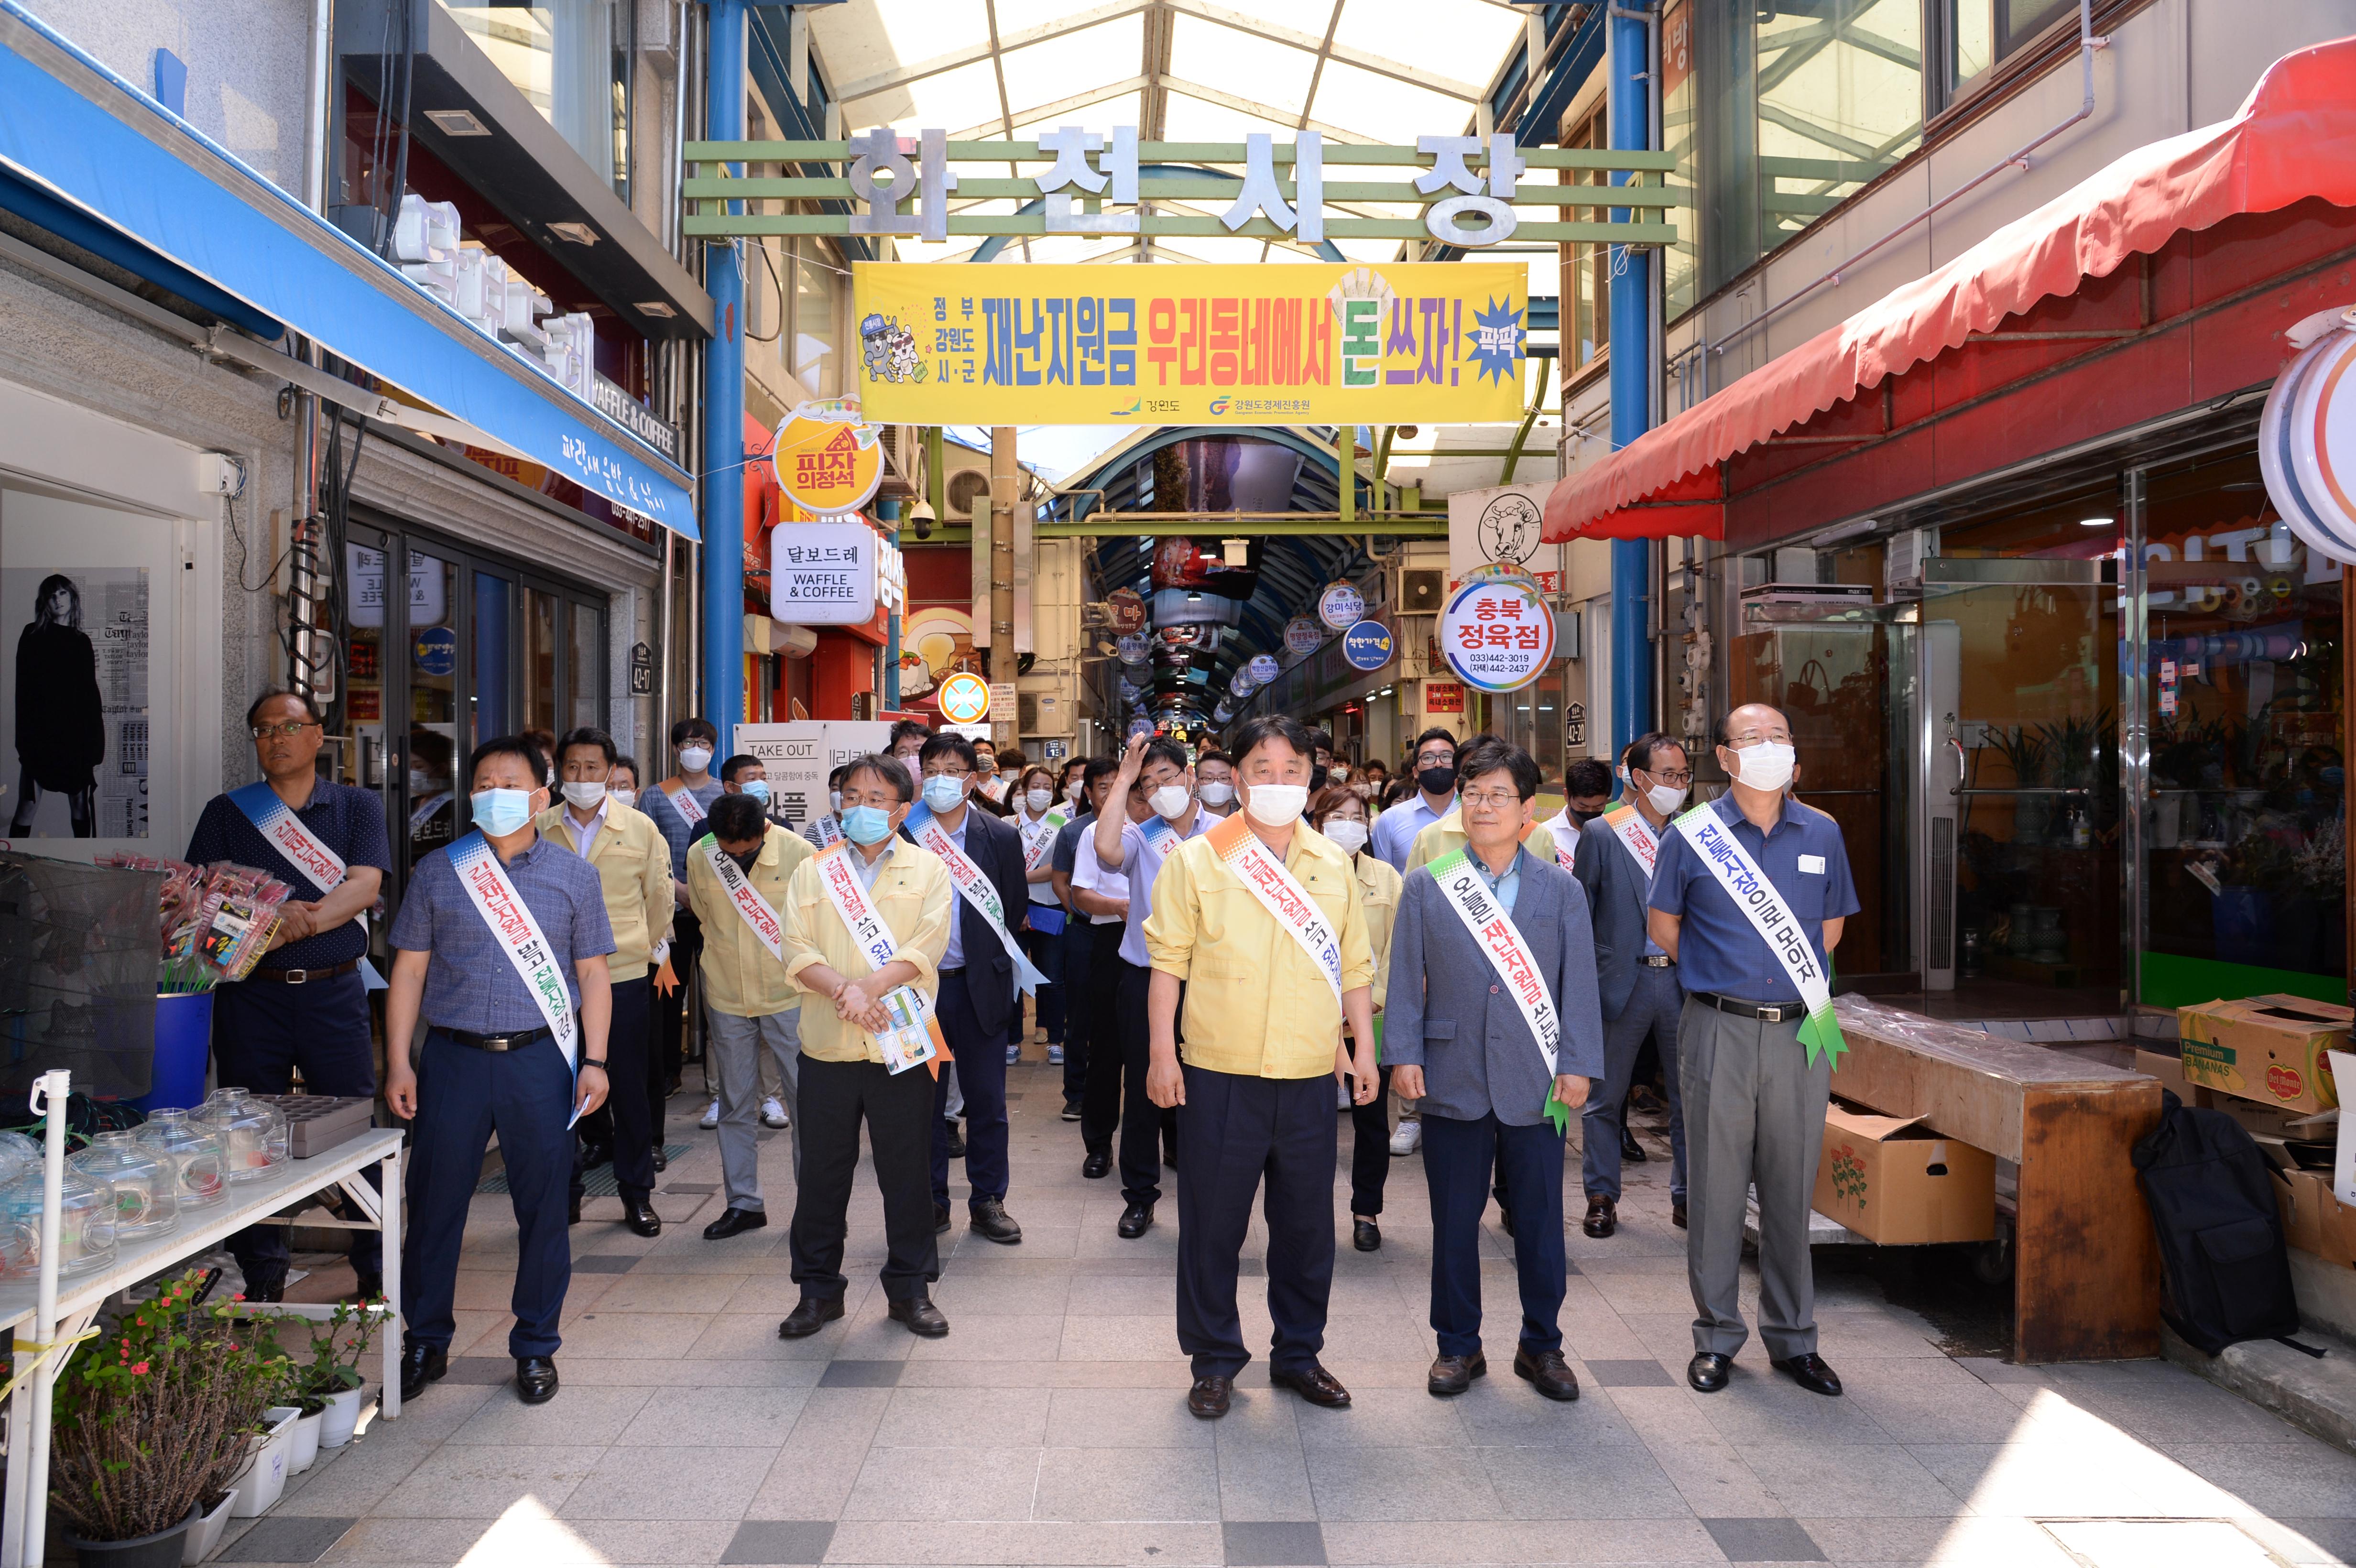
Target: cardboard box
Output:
[(2267, 1048), (1900, 1184), (2167, 1066), (2302, 1195)]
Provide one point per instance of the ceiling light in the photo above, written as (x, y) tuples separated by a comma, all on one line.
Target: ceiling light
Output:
[(653, 308), (1192, 597), (2097, 522), (457, 123), (579, 233)]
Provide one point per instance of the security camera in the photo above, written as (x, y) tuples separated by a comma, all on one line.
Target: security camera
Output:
[(921, 514)]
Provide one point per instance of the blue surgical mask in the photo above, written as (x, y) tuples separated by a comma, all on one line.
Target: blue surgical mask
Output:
[(758, 788), (499, 812), (867, 823), (943, 793)]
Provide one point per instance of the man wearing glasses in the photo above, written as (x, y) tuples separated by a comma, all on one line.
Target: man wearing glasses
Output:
[(307, 1005), (1435, 797), (1754, 1092)]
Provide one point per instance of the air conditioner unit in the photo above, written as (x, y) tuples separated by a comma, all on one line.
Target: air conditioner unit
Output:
[(1422, 592), (1042, 713), (966, 488)]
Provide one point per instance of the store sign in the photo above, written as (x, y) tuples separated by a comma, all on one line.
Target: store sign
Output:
[(828, 461), (642, 670), (428, 598), (797, 757), (823, 574), (1127, 607), (2307, 438), (1497, 634), (1496, 526), (965, 699), (1574, 724), (1340, 606), (1443, 696), (1002, 700), (435, 650), (1262, 668), (1315, 343), (1368, 645), (1303, 636), (1135, 648)]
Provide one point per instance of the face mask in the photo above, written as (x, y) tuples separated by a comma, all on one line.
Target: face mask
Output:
[(1348, 837), (1583, 817), (420, 784), (744, 862), (943, 793), (867, 823), (1767, 765), (1276, 806), (1038, 800), (627, 796), (499, 812), (1663, 799), (1072, 791), (1169, 801), (758, 788), (834, 801), (694, 759), (1217, 793), (984, 764), (1436, 781), (1337, 775), (583, 795)]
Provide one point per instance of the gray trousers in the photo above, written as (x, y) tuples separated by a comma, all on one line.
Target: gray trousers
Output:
[(1654, 1005), (734, 1047), (1755, 1113)]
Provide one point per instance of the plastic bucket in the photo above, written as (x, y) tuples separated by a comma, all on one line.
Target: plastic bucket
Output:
[(184, 1041)]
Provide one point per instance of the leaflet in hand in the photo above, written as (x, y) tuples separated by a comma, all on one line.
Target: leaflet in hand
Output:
[(911, 1041)]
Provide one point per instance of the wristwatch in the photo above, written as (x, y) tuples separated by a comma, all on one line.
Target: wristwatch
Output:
[(598, 1065)]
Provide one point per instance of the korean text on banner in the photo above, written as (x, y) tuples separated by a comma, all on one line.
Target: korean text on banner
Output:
[(1309, 343)]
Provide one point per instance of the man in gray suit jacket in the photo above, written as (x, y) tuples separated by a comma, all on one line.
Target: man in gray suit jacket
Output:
[(1638, 982), (1456, 1038)]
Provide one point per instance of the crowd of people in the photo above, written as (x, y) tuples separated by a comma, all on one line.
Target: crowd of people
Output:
[(1222, 950)]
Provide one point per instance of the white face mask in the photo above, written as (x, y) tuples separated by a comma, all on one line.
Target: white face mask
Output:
[(1663, 799), (627, 796), (834, 801), (1337, 774), (1217, 793), (583, 795), (1038, 800), (1275, 805), (1348, 837), (694, 759), (420, 784), (1767, 765), (1169, 801), (1071, 791)]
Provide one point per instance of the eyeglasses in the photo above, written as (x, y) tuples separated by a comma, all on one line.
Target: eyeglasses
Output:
[(946, 773), (1681, 776), (289, 730), (1493, 799)]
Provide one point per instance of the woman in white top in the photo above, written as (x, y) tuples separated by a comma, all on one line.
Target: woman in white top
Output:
[(1038, 816)]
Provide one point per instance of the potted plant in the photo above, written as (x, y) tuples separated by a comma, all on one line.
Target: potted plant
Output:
[(153, 1421), (329, 1389)]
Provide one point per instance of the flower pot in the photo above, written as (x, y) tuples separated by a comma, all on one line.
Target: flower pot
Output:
[(260, 1485), (341, 1416), (161, 1550), (205, 1530), (304, 1452)]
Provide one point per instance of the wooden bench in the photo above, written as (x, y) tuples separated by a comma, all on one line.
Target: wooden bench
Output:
[(2085, 1266)]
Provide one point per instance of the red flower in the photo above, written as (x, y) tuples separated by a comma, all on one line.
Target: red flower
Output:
[(140, 1369)]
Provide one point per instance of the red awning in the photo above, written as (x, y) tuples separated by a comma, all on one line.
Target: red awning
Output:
[(2294, 138)]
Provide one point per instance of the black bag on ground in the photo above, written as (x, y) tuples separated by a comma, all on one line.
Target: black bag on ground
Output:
[(2224, 1268)]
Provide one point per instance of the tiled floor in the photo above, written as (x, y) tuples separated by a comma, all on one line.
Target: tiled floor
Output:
[(1047, 1428)]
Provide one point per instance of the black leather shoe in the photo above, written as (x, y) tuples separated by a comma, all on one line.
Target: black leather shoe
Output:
[(269, 1290), (1811, 1373), (535, 1379), (940, 1219), (1505, 1218), (1602, 1218), (1630, 1149), (921, 1317), (957, 1140), (1097, 1164), (594, 1155), (572, 1209), (640, 1217), (989, 1219), (1316, 1385), (1071, 1110), (734, 1221), (420, 1365), (662, 1160), (1677, 1216), (1135, 1221), (366, 1287), (1207, 1400), (1709, 1371), (810, 1315), (1365, 1234), (1547, 1371), (1452, 1375)]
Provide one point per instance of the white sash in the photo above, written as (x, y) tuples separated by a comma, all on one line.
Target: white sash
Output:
[(747, 899), (1636, 835), (1769, 913), (1279, 894), (1566, 839), (1500, 941), (322, 866), (510, 919), (907, 1006), (1039, 837), (975, 888), (690, 810), (825, 831)]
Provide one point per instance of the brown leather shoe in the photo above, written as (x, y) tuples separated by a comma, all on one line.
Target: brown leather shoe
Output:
[(1452, 1375), (1316, 1385), (1602, 1218), (1547, 1371), (1207, 1400)]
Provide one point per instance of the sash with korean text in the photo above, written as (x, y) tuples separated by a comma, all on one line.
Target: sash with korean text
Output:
[(690, 809), (284, 832), (746, 898), (976, 888), (1280, 894), (1635, 836), (519, 935), (1770, 914), (1039, 837), (1501, 942), (907, 1006), (1566, 839)]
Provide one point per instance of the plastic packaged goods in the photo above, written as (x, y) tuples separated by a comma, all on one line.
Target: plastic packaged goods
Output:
[(86, 1235), (202, 1167), (253, 1136), (145, 1183)]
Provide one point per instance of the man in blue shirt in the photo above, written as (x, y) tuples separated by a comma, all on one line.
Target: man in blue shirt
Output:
[(1755, 1104), (1435, 782), (305, 1007), (493, 1060)]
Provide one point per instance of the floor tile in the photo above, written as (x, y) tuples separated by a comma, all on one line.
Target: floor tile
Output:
[(1763, 1541), (1133, 1484), (773, 1540), (283, 1540), (1645, 1373), (1274, 1545), (862, 1374)]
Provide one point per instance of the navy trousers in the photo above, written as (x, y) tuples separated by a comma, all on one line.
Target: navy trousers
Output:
[(262, 1032), (632, 1117), (980, 1069), (1238, 1135), (1078, 943), (1457, 1159), (1046, 954), (463, 1096)]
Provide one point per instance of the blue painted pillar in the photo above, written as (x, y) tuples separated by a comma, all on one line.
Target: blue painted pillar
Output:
[(1632, 391), (723, 401)]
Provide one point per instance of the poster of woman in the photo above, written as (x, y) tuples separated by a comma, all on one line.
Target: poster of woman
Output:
[(60, 716), (77, 703)]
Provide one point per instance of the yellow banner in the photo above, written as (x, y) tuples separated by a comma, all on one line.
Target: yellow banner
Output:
[(1324, 343)]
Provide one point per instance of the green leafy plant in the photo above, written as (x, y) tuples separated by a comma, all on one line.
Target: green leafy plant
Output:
[(2026, 752), (336, 1347)]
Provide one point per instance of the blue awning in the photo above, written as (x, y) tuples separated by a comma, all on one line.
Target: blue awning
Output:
[(74, 129)]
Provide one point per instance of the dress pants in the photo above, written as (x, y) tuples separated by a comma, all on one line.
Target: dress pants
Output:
[(1653, 1009), (1078, 943), (1457, 1158), (463, 1096), (1370, 1150), (1238, 1133), (262, 1032), (981, 1069), (1755, 1113), (669, 1058), (629, 1118), (735, 1045), (1101, 1103), (1117, 1095), (898, 1110), (1046, 954)]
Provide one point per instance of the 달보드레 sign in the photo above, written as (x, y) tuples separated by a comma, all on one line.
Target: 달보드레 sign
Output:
[(1497, 634), (823, 574), (828, 461), (1317, 343)]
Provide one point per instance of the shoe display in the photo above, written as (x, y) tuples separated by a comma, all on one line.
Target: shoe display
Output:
[(772, 1115), (1365, 1234), (1548, 1372), (1055, 1056), (1071, 1110), (1316, 1385), (1135, 1221), (1602, 1218), (711, 1117), (640, 1217), (1452, 1375), (1408, 1137), (1630, 1149), (1810, 1373), (989, 1219), (1208, 1399), (812, 1314), (921, 1317), (1708, 1371), (535, 1379), (420, 1365), (734, 1222)]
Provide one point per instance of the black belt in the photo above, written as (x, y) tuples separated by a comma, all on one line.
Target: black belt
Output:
[(1657, 961), (1764, 1012), (305, 976), (954, 969), (496, 1043)]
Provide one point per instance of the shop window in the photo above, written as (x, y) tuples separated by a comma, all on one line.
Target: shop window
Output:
[(539, 656), (1586, 268), (818, 286), (494, 623), (572, 60), (1968, 36)]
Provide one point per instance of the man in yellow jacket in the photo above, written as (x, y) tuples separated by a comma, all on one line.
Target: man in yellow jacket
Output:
[(633, 865), (866, 924), (737, 877)]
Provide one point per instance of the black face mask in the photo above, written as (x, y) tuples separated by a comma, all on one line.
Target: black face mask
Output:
[(744, 862), (1436, 781), (1583, 817)]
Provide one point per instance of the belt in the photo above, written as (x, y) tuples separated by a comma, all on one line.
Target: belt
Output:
[(954, 969), (1765, 1012), (1657, 961), (305, 976), (496, 1043)]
